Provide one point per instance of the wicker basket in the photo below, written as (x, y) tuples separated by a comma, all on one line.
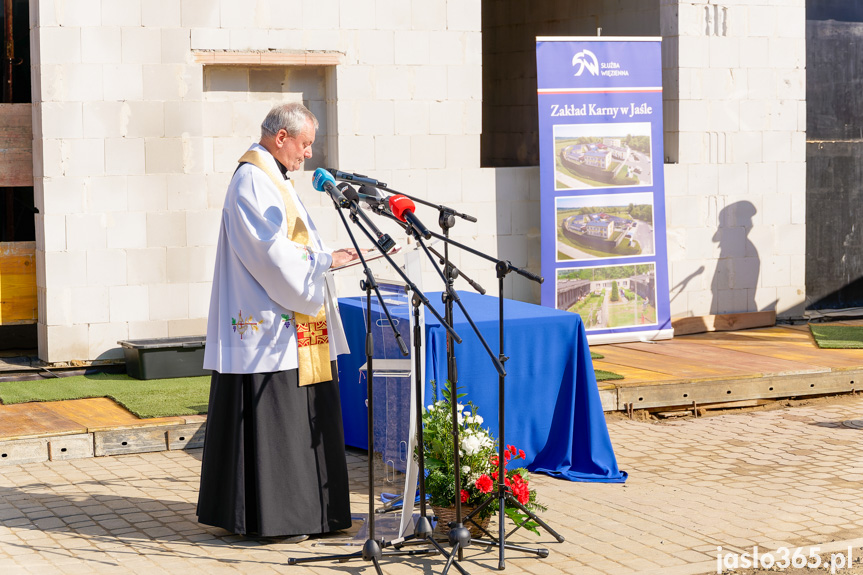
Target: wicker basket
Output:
[(446, 515)]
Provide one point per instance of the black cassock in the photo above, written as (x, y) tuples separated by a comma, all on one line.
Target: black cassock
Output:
[(274, 456)]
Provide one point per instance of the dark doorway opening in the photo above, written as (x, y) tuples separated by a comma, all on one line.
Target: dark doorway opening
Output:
[(17, 208), (834, 154)]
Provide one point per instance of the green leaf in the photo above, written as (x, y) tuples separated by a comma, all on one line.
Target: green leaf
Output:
[(432, 463), (522, 519)]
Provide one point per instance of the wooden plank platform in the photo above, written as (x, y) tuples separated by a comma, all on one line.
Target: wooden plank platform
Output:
[(714, 367), (34, 420), (40, 419), (731, 359), (722, 366)]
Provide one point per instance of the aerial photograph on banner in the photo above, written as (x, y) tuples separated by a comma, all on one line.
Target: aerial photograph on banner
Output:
[(609, 296), (606, 226), (602, 155)]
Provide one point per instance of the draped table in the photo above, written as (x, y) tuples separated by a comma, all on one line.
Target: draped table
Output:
[(552, 406)]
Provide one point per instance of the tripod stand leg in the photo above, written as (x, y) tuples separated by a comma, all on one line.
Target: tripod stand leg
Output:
[(505, 499), (501, 562), (451, 558), (339, 558), (531, 515)]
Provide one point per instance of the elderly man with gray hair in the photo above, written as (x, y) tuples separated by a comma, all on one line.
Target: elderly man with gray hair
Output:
[(274, 457)]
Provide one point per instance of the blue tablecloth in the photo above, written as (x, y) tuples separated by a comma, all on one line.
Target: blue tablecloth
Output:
[(553, 411)]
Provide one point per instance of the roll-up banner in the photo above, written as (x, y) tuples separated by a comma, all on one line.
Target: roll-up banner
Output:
[(602, 187)]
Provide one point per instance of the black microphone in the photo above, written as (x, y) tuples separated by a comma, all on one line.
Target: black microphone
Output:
[(403, 208), (384, 241), (372, 204), (324, 182), (359, 178), (372, 197), (348, 192)]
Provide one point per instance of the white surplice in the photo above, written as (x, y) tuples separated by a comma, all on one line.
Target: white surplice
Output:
[(261, 278)]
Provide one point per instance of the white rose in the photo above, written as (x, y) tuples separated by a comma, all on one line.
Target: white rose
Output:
[(471, 444)]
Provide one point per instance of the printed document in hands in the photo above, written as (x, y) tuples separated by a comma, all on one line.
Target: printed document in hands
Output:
[(369, 255)]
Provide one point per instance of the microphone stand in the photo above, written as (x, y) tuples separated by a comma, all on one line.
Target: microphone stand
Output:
[(373, 548), (504, 495), (457, 272), (459, 535), (444, 211)]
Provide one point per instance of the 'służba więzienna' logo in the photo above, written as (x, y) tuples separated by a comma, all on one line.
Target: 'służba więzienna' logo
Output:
[(586, 59)]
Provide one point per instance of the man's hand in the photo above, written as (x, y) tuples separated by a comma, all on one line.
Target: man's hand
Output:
[(345, 256)]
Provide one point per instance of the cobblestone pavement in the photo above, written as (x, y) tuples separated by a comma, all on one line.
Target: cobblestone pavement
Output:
[(789, 477)]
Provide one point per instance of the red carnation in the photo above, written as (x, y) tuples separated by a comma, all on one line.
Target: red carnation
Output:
[(464, 496), (522, 493), (506, 455), (494, 474), (521, 453), (513, 450), (484, 483)]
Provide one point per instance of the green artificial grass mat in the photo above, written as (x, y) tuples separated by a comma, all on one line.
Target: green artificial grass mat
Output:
[(145, 398), (601, 374), (837, 336)]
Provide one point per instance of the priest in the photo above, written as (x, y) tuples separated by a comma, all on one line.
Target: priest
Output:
[(274, 456)]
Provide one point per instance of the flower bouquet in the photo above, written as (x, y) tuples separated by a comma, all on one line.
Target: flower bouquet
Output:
[(479, 465)]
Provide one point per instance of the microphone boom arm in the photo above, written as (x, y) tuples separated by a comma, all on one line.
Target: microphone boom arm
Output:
[(407, 280), (450, 292), (454, 295), (439, 207), (370, 278), (509, 267)]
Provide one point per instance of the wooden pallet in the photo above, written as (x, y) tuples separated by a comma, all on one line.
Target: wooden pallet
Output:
[(16, 145), (18, 283)]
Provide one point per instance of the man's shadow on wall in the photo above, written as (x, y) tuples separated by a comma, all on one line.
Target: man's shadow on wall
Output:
[(738, 269)]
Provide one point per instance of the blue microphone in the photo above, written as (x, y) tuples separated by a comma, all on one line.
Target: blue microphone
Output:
[(323, 181), (358, 178)]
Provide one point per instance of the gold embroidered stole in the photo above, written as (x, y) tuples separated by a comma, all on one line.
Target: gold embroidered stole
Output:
[(313, 344)]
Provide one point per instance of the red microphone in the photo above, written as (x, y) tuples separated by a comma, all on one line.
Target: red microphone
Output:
[(403, 208)]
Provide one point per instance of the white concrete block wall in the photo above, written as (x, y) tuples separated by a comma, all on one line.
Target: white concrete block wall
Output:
[(148, 329), (103, 338), (425, 59), (111, 81), (736, 194), (135, 143)]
